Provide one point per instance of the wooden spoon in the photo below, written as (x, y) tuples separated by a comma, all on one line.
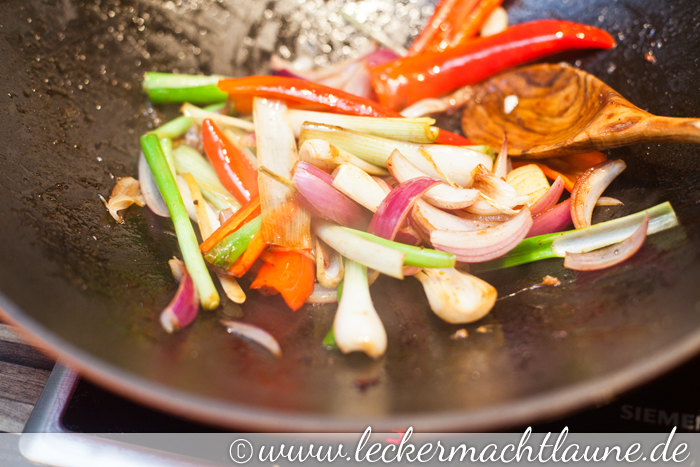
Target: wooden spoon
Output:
[(559, 110)]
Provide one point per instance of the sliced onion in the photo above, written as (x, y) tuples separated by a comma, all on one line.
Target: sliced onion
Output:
[(430, 218), (232, 288), (329, 266), (359, 186), (381, 258), (322, 295), (411, 270), (126, 192), (315, 187), (255, 334), (409, 236), (443, 195), (150, 191), (392, 212), (491, 220), (550, 198), (498, 196), (607, 201), (552, 220), (383, 185), (611, 255), (484, 245), (359, 83), (589, 187), (500, 167), (529, 180), (184, 306), (455, 296), (427, 106)]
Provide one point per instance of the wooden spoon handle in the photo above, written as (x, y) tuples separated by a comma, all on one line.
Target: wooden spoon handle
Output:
[(672, 130)]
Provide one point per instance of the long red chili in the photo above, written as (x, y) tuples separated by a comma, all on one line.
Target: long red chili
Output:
[(234, 170), (407, 80), (316, 96)]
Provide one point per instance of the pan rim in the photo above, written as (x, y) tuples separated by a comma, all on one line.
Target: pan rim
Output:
[(536, 408)]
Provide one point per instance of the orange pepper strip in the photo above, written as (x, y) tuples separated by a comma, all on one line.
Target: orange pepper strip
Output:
[(249, 256), (292, 275), (569, 168), (239, 218)]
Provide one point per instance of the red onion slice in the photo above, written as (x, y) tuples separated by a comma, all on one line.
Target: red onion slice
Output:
[(184, 306), (487, 244), (609, 256), (588, 188), (316, 191), (443, 195), (398, 203), (549, 199), (430, 218), (255, 334), (552, 220)]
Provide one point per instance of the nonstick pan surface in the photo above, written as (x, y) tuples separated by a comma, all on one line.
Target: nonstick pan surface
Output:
[(91, 289)]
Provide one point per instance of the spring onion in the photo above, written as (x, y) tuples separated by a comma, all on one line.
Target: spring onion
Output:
[(556, 245), (415, 256), (449, 163), (179, 126), (224, 254), (373, 255), (209, 297), (357, 326), (414, 130)]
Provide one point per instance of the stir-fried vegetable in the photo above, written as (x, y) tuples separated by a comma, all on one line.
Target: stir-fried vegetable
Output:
[(189, 247), (410, 79), (297, 220)]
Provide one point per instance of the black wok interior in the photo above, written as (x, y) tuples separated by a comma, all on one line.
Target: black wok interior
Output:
[(92, 289)]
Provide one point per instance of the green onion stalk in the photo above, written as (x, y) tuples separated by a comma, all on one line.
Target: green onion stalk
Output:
[(169, 87), (556, 245), (228, 250), (179, 126), (196, 267)]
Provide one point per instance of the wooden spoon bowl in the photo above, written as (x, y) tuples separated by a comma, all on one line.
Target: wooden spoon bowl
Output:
[(562, 110)]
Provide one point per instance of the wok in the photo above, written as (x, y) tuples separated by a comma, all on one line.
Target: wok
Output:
[(91, 290)]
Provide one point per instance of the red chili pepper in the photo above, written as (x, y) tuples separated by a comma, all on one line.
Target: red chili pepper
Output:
[(401, 83), (471, 23), (448, 16), (303, 92), (316, 96), (234, 170)]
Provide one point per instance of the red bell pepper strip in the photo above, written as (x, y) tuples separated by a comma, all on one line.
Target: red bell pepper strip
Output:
[(249, 256), (232, 167), (291, 274), (315, 96), (429, 74), (240, 217)]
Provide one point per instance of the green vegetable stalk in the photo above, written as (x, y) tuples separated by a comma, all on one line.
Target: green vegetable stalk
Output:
[(228, 250), (208, 296), (179, 126), (415, 255)]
